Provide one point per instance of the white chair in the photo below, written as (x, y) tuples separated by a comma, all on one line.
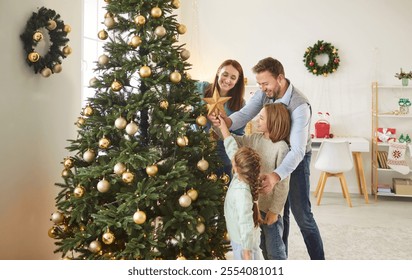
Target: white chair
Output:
[(333, 159)]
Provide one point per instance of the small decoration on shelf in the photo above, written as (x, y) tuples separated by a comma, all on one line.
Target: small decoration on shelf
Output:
[(322, 126), (386, 135), (404, 76), (46, 20), (404, 139), (404, 105), (321, 48)]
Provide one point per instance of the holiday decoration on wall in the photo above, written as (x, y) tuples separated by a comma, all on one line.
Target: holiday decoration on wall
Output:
[(47, 28), (141, 180), (312, 54)]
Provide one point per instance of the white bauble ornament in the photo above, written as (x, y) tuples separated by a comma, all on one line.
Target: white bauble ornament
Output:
[(89, 155), (95, 246), (57, 217), (119, 168), (185, 200), (109, 22), (120, 123), (132, 128), (93, 81), (103, 186), (103, 59)]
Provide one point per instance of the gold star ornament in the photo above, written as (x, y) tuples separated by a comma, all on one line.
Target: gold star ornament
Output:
[(215, 103)]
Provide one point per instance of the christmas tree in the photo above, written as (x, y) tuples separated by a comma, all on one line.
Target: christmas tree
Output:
[(139, 182)]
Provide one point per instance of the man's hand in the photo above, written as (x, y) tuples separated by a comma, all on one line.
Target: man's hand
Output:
[(270, 218), (213, 119), (269, 180)]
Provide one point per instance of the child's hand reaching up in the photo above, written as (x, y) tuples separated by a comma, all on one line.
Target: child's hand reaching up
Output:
[(223, 127)]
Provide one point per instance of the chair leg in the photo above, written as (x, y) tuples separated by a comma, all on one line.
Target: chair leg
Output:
[(345, 188), (319, 183), (322, 186)]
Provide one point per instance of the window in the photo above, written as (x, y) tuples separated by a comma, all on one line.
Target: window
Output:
[(92, 47)]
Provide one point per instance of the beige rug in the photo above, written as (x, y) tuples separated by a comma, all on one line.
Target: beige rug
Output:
[(342, 242)]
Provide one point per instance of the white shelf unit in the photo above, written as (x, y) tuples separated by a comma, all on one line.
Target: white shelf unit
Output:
[(384, 106)]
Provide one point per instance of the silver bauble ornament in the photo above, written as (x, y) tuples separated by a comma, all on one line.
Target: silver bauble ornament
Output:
[(89, 155), (95, 246), (103, 59), (57, 217), (160, 31)]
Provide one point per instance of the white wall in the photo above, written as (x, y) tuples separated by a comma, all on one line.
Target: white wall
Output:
[(37, 116), (373, 38)]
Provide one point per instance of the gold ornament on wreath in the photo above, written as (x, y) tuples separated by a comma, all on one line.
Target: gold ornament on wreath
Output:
[(46, 20), (315, 52)]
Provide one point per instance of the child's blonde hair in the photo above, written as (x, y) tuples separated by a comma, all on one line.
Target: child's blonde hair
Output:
[(278, 122), (248, 164)]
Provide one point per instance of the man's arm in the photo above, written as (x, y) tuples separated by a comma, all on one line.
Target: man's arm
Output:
[(247, 113)]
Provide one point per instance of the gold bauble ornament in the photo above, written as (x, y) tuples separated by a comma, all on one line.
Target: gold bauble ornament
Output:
[(226, 236), (119, 168), (185, 54), (88, 110), (152, 170), (108, 15), (181, 29), (176, 4), (102, 35), (181, 257), (139, 217), (57, 68), (37, 36), (164, 104), (103, 186), (67, 50), (156, 12), (135, 41), (95, 246), (79, 191), (116, 86), (202, 165), (68, 162), (201, 120), (80, 121), (89, 156), (103, 59), (225, 178), (67, 28), (140, 20), (109, 22), (132, 128), (51, 25), (57, 217), (200, 227), (66, 173), (104, 143), (175, 77), (52, 232), (120, 123), (193, 194), (185, 200), (127, 177), (46, 72), (33, 57), (145, 71), (160, 31), (182, 141), (212, 177), (108, 237)]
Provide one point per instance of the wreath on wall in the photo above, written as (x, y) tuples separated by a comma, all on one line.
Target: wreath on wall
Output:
[(46, 22), (317, 49)]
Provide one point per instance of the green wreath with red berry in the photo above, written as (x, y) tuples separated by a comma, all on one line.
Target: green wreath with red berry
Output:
[(317, 49), (40, 23)]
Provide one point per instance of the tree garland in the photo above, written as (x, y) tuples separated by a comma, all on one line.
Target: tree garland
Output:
[(319, 48), (46, 20)]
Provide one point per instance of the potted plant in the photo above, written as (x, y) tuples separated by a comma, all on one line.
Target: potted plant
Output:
[(404, 76)]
